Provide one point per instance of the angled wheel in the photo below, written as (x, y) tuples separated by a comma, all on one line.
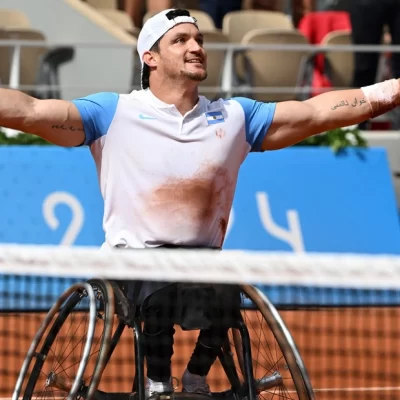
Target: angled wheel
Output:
[(277, 366), (67, 356)]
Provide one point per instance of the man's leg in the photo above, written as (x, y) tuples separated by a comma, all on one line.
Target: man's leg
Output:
[(210, 341), (207, 349), (217, 10), (367, 20), (135, 10), (159, 332), (158, 5)]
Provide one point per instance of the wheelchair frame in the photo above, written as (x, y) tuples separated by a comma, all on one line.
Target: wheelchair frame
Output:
[(114, 300)]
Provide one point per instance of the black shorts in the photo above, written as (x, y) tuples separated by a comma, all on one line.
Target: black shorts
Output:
[(194, 306)]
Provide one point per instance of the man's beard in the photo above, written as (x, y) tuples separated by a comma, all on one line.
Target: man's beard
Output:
[(195, 76)]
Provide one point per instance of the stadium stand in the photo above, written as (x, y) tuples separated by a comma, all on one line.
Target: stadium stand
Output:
[(339, 66), (204, 20), (37, 65), (13, 19), (247, 26), (237, 23), (102, 3), (216, 59), (315, 27), (275, 69), (121, 19), (90, 26)]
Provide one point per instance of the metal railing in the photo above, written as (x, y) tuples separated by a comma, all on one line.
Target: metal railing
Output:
[(227, 85), (227, 69)]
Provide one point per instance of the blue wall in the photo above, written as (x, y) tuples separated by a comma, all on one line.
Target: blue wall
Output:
[(298, 199)]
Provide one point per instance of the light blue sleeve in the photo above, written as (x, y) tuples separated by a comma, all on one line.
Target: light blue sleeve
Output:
[(97, 112), (258, 119)]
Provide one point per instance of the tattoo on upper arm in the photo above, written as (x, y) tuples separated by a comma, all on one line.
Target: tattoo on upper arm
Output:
[(67, 128), (345, 103)]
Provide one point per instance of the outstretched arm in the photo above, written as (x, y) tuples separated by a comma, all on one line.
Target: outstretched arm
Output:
[(294, 121), (56, 121)]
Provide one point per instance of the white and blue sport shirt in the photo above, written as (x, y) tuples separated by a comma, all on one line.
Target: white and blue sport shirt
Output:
[(167, 178)]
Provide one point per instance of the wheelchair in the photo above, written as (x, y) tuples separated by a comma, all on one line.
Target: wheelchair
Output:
[(101, 309)]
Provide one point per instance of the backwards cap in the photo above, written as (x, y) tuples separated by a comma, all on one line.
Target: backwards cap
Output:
[(156, 27)]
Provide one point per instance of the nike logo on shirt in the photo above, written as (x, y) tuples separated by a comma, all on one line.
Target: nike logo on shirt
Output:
[(142, 116)]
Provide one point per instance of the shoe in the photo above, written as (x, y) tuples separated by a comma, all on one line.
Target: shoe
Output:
[(158, 390), (193, 383)]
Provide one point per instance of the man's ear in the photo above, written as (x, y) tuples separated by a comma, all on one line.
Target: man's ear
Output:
[(150, 59)]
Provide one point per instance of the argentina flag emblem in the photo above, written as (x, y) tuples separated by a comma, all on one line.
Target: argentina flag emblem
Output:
[(214, 117)]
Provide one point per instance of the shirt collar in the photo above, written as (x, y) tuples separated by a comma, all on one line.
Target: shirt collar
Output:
[(154, 101)]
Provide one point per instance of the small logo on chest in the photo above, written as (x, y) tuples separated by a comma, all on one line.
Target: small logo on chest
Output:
[(220, 133)]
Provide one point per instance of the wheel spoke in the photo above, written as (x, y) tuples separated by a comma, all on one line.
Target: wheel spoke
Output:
[(70, 338), (274, 355)]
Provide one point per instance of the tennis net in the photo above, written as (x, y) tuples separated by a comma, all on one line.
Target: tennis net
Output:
[(341, 310)]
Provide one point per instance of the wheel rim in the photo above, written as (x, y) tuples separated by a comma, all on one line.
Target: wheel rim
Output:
[(271, 372), (57, 364)]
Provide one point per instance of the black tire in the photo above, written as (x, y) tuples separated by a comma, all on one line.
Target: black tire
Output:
[(49, 334), (300, 386), (104, 289)]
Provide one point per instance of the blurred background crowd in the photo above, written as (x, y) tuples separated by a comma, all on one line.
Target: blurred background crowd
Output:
[(369, 22), (266, 75)]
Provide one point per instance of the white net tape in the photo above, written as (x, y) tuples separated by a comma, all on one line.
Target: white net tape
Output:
[(275, 268)]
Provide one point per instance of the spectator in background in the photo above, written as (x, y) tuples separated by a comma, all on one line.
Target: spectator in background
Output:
[(300, 8), (368, 19), (217, 9), (137, 8), (286, 6), (296, 8), (332, 5), (269, 5)]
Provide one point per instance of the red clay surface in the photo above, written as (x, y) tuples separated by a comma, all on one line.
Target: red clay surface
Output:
[(349, 353)]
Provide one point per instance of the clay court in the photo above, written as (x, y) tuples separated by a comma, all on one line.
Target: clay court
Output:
[(350, 353)]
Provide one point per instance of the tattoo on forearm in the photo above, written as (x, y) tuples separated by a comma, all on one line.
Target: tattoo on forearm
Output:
[(67, 128), (345, 103)]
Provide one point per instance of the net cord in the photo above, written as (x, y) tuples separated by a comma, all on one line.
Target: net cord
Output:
[(229, 266)]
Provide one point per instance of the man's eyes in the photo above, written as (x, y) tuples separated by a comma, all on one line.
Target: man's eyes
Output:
[(183, 40)]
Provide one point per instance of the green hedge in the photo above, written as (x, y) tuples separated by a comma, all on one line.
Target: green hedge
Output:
[(337, 139), (22, 139)]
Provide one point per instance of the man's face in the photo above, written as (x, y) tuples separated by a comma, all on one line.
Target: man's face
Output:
[(182, 53)]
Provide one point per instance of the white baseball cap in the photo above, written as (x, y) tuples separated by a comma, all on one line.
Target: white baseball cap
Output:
[(156, 27)]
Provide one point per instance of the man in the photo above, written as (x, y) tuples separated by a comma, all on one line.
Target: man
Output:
[(168, 159), (368, 20), (137, 8), (218, 9)]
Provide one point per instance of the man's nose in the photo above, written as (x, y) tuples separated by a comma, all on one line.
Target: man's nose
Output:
[(194, 46)]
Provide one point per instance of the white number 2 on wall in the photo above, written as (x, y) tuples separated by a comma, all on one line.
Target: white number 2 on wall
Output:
[(49, 205)]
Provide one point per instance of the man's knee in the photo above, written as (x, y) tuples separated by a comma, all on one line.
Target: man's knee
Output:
[(214, 343)]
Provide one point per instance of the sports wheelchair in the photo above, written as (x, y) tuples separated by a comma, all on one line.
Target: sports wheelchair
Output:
[(105, 312)]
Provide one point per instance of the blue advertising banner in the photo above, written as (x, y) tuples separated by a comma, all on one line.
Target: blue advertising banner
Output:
[(298, 199), (313, 200)]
